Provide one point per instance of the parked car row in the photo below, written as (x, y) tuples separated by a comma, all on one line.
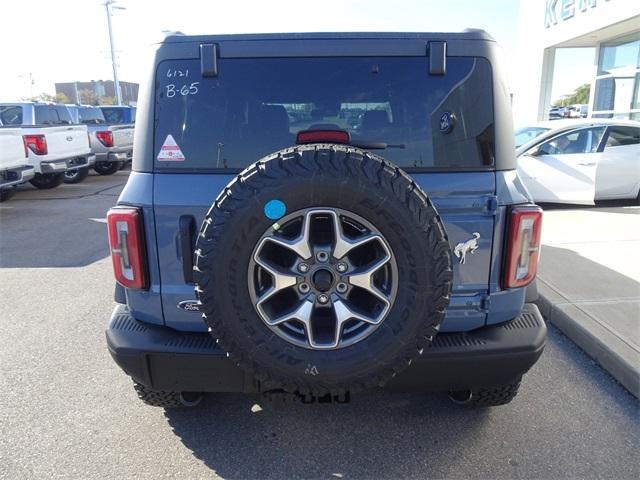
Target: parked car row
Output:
[(580, 161), (570, 111), (47, 144)]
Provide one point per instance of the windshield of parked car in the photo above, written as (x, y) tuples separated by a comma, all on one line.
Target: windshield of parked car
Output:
[(526, 134), (91, 116), (257, 106)]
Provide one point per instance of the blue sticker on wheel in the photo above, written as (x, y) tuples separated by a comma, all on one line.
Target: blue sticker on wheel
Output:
[(275, 209)]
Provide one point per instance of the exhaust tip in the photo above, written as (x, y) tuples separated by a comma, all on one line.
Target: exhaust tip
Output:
[(190, 399), (461, 397)]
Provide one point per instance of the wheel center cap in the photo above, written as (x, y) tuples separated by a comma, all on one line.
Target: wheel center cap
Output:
[(322, 280)]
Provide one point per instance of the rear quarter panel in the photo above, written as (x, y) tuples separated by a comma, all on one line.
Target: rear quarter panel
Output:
[(12, 152)]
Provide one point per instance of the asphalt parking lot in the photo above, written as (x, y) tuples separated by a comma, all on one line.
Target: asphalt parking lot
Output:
[(67, 411)]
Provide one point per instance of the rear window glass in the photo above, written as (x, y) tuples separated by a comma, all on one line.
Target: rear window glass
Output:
[(52, 115), (90, 116), (257, 106), (113, 115), (11, 115)]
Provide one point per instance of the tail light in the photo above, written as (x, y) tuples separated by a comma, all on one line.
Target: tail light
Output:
[(523, 248), (106, 138), (322, 136), (126, 241), (37, 144)]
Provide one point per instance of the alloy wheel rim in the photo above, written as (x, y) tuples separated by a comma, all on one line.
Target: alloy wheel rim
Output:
[(322, 278)]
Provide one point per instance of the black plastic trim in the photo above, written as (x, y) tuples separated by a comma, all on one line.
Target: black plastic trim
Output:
[(209, 59), (437, 58), (165, 359), (186, 234)]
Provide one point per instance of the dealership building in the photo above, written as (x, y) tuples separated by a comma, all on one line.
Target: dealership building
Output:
[(611, 28)]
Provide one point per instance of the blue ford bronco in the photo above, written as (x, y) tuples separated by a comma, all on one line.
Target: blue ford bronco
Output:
[(312, 215)]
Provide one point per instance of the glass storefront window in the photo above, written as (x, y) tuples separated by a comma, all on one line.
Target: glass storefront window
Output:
[(614, 93), (617, 88), (619, 56)]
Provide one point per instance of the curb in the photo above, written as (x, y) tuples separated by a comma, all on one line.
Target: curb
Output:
[(608, 350)]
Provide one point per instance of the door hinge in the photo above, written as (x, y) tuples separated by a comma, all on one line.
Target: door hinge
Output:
[(485, 303), (490, 205)]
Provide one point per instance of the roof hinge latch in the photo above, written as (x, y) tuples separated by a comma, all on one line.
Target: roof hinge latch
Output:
[(437, 52), (209, 59)]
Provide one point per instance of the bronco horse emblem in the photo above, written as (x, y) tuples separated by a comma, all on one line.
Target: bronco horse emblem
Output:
[(469, 246)]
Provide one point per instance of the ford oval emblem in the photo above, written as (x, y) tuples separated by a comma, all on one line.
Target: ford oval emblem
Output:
[(69, 139), (189, 305), (447, 121)]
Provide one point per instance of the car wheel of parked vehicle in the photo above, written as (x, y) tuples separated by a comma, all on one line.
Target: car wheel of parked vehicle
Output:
[(6, 194), (323, 269), (45, 181), (158, 398), (487, 397), (107, 168), (76, 176)]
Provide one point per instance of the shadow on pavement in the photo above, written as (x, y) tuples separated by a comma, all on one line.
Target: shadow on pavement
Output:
[(62, 227), (378, 435), (579, 278), (387, 435)]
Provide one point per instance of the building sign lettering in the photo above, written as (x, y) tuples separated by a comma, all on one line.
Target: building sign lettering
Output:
[(565, 9)]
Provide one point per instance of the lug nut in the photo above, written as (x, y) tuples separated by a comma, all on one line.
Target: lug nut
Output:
[(341, 287), (322, 256), (342, 267), (322, 298), (303, 287), (303, 268)]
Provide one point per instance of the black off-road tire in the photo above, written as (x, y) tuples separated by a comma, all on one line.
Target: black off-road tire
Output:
[(6, 194), (158, 398), (330, 176), (495, 396), (47, 181), (106, 168), (488, 397), (76, 176)]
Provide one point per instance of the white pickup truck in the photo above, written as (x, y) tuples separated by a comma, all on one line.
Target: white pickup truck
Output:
[(14, 166), (53, 143), (112, 144)]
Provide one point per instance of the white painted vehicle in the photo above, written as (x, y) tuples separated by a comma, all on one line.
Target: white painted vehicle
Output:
[(580, 161), (54, 144), (14, 166)]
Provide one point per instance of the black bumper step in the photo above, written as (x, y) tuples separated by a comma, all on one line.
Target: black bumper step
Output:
[(167, 359)]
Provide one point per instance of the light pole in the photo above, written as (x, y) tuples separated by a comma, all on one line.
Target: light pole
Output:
[(116, 83)]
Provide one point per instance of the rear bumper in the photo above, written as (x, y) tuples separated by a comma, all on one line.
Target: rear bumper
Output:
[(117, 156), (66, 164), (165, 359), (16, 176)]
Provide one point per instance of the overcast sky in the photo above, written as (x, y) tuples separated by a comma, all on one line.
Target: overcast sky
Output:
[(66, 40)]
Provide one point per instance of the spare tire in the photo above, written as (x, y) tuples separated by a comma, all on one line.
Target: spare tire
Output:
[(323, 269)]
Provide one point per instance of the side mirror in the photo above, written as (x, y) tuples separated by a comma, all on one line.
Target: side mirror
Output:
[(535, 152)]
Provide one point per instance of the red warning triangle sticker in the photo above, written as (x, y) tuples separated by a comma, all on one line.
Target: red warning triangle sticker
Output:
[(170, 151)]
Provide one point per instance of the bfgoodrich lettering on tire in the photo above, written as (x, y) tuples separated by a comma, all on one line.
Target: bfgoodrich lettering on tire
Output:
[(323, 268)]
